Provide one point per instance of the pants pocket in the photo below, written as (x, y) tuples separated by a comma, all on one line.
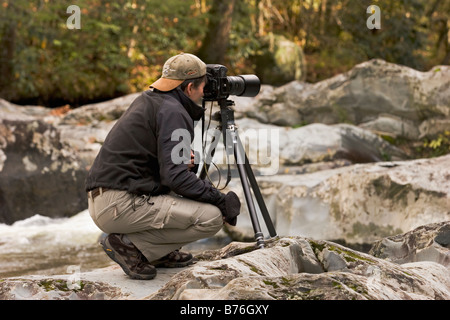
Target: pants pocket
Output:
[(181, 213), (106, 217), (210, 227)]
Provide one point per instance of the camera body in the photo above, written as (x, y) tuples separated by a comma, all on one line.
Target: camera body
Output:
[(220, 86)]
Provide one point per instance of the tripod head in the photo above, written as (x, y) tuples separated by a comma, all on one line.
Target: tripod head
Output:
[(226, 114)]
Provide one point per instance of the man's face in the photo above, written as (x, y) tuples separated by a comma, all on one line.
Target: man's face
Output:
[(195, 93)]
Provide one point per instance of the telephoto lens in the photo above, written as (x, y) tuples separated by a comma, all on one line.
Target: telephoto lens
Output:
[(244, 85)]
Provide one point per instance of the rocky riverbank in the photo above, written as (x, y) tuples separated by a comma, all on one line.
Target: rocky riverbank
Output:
[(351, 118), (332, 172), (413, 266)]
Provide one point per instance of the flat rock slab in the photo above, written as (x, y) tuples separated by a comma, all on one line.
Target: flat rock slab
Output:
[(101, 284)]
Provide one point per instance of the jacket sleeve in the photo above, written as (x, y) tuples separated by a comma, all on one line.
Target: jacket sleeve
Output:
[(174, 138)]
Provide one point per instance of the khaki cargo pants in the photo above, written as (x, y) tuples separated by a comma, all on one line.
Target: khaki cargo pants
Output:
[(156, 225)]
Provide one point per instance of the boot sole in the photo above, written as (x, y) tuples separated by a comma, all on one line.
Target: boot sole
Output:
[(115, 256), (173, 264)]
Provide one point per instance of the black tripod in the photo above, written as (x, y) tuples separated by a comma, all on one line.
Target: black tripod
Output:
[(233, 145)]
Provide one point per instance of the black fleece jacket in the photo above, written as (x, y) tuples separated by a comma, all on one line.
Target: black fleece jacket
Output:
[(137, 153)]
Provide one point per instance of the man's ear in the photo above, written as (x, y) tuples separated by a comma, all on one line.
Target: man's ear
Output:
[(188, 88)]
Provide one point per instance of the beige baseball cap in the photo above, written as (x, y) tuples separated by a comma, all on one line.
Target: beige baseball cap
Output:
[(181, 67)]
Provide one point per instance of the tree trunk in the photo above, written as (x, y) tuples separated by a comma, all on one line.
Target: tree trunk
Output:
[(216, 42), (7, 47)]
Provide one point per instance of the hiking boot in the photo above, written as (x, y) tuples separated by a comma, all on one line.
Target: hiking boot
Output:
[(175, 259), (122, 251)]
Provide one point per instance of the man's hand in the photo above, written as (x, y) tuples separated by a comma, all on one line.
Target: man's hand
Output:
[(230, 206), (192, 164)]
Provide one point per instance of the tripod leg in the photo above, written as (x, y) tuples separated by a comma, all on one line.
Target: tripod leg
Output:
[(258, 195), (239, 156)]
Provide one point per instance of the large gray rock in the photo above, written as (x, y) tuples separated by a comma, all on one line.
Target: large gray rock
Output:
[(299, 268), (430, 242), (358, 204), (84, 129), (106, 111), (383, 96), (38, 173), (45, 155), (312, 143)]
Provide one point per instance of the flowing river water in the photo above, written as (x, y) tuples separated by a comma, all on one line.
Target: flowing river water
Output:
[(44, 246)]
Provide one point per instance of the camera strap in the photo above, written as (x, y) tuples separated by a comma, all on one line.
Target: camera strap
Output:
[(204, 146)]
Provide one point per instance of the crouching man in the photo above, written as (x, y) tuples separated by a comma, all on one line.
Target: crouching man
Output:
[(149, 204)]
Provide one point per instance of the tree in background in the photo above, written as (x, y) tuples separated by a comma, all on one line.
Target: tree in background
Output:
[(215, 43), (334, 35), (122, 45), (119, 48)]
